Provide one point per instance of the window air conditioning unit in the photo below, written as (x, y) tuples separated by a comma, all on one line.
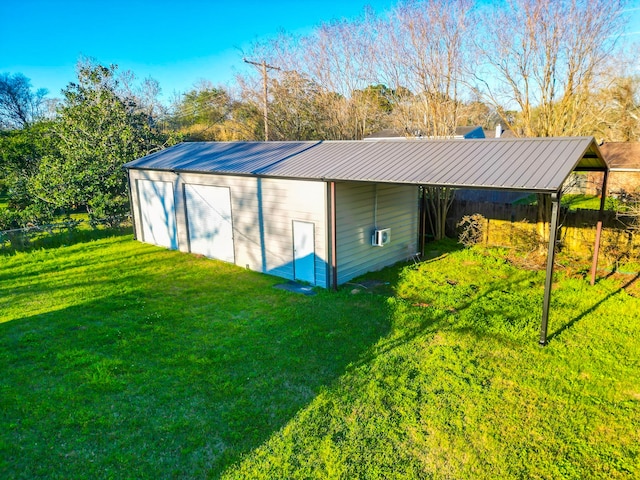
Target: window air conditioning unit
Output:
[(381, 237)]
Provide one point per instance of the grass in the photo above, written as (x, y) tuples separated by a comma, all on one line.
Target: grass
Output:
[(124, 360), (120, 359), (576, 201), (58, 236), (587, 202)]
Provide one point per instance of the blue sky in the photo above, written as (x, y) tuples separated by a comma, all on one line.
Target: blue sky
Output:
[(175, 42)]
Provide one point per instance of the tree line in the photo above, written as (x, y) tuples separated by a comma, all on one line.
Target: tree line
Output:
[(537, 67)]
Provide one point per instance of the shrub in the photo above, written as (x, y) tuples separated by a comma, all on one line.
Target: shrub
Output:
[(472, 229)]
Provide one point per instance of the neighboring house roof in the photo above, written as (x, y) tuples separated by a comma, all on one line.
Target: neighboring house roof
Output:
[(531, 164), (385, 133), (622, 156), (470, 132), (460, 132), (499, 132)]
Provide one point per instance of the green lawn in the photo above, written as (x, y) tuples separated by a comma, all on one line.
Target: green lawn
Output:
[(587, 202), (575, 201), (123, 360)]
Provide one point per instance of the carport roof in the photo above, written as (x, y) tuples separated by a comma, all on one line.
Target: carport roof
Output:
[(531, 164)]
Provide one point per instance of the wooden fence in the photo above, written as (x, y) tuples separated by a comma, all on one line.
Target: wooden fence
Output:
[(515, 226)]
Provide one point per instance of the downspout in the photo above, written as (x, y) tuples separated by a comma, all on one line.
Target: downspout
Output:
[(596, 247), (375, 206), (334, 236), (551, 253), (263, 247)]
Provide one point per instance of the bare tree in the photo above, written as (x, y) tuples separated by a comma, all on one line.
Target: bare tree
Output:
[(425, 50), (19, 105), (615, 110), (148, 96), (295, 112), (372, 107), (340, 56), (545, 58), (338, 59)]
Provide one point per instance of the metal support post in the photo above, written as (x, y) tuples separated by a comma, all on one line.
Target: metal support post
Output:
[(551, 254)]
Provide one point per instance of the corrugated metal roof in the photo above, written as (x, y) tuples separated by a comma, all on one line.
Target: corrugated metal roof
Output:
[(532, 164), (221, 157)]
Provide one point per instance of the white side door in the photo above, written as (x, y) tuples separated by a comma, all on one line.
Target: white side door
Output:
[(304, 258)]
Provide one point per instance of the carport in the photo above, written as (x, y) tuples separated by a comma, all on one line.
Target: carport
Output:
[(534, 165)]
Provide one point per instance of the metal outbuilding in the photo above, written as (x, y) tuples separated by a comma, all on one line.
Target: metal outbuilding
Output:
[(328, 211)]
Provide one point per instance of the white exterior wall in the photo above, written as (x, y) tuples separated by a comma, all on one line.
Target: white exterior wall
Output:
[(263, 211), (356, 212)]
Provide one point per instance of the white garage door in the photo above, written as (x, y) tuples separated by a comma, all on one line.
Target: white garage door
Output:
[(158, 213), (209, 221)]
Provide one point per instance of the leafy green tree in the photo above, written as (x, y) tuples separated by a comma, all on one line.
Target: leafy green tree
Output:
[(96, 133), (295, 110), (20, 153), (372, 107)]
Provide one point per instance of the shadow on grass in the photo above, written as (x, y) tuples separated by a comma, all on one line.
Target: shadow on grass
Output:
[(76, 271), (505, 308), (591, 309), (157, 384), (20, 242), (476, 317)]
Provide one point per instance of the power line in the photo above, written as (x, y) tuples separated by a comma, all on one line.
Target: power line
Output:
[(265, 67)]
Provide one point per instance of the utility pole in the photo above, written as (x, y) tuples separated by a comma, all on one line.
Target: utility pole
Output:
[(265, 91)]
